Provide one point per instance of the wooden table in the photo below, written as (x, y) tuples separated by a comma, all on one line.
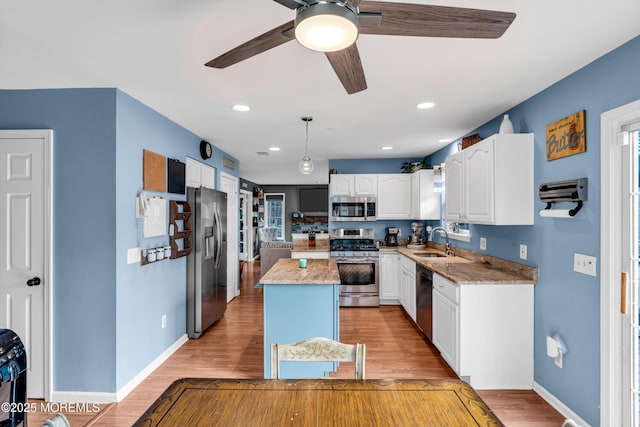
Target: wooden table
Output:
[(247, 402)]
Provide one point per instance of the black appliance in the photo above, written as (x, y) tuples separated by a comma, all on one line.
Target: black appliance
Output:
[(13, 379), (353, 208), (357, 257), (391, 237), (424, 300)]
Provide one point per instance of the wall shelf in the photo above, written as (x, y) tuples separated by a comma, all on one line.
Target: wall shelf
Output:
[(179, 228)]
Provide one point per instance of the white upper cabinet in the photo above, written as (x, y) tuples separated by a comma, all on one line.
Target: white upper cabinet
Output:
[(425, 202), (366, 185), (491, 182), (353, 185), (394, 196), (198, 174)]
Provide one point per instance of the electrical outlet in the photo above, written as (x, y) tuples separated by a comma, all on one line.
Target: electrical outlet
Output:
[(584, 264), (483, 244), (133, 256), (523, 251), (164, 321)]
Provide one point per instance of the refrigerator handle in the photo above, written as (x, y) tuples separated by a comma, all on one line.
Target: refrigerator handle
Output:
[(219, 239)]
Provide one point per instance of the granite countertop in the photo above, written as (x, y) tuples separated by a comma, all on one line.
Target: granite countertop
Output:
[(302, 245), (287, 272), (472, 268)]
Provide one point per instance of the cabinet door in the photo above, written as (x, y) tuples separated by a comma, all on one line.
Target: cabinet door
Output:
[(394, 196), (366, 185), (445, 328), (208, 176), (389, 276), (425, 202), (478, 182), (454, 198), (341, 185), (192, 173)]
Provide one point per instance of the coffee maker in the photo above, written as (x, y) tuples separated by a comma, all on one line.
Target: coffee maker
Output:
[(391, 238)]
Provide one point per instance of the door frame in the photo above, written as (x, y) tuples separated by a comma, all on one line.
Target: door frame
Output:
[(235, 265), (46, 135), (610, 260)]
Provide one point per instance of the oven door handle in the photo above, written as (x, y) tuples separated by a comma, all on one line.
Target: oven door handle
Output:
[(356, 260)]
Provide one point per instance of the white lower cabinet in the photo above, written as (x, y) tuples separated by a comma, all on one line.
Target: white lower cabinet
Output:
[(485, 332), (445, 323), (408, 286), (389, 277)]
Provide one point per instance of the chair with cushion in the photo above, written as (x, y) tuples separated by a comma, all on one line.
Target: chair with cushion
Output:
[(317, 350)]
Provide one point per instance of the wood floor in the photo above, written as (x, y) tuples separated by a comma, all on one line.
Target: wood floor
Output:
[(233, 348)]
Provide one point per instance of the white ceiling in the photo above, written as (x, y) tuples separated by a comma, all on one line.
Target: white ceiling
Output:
[(154, 50)]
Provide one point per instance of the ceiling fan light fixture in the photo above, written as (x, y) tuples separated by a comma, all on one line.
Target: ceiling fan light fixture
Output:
[(326, 26)]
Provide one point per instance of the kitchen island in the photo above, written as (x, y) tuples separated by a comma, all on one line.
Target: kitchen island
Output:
[(300, 303)]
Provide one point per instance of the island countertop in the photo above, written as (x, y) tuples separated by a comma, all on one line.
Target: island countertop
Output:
[(287, 272)]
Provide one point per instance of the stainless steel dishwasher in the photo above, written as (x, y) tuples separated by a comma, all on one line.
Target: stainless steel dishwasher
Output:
[(424, 298)]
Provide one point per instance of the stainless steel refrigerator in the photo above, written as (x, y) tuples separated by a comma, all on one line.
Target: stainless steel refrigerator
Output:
[(207, 263)]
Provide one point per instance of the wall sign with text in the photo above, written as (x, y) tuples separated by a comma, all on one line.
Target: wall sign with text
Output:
[(566, 136)]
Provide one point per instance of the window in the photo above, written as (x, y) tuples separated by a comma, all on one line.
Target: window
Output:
[(274, 213)]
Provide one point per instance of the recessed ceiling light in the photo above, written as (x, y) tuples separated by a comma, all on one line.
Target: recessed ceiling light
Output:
[(274, 148), (241, 107), (445, 140), (425, 105), (387, 148)]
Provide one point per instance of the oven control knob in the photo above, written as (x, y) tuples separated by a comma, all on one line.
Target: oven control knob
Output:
[(33, 282)]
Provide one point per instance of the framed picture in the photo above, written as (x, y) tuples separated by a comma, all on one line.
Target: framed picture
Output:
[(567, 136)]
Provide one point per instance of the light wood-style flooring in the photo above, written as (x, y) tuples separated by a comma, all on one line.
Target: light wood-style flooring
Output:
[(233, 348)]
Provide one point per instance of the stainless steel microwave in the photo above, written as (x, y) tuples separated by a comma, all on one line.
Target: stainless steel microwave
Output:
[(361, 208)]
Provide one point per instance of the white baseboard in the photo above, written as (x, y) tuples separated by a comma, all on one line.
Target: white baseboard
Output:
[(558, 405), (97, 397)]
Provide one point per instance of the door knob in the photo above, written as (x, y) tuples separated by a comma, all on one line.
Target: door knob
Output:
[(33, 282)]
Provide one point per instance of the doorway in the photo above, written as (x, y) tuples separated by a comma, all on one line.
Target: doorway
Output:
[(26, 284), (620, 239)]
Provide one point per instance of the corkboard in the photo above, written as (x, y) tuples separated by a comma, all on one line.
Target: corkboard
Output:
[(154, 172)]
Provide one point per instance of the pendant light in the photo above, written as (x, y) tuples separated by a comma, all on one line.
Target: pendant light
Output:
[(306, 165)]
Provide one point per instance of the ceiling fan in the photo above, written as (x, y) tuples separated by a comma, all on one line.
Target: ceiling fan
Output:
[(316, 20)]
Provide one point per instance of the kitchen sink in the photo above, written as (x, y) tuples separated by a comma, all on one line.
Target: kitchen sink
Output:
[(428, 254)]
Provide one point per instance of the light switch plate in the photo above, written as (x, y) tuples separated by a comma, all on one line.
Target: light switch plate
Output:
[(133, 256), (584, 264), (523, 251), (483, 244)]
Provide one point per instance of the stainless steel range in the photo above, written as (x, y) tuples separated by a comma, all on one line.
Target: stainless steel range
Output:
[(357, 257)]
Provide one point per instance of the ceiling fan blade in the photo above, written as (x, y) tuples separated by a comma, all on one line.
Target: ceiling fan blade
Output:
[(404, 19), (291, 4), (347, 65), (264, 42), (355, 3)]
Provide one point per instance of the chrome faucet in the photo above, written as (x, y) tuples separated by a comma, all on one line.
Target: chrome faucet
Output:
[(447, 246)]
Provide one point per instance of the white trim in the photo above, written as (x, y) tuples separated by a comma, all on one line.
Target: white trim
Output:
[(610, 261), (558, 405), (99, 397), (142, 375)]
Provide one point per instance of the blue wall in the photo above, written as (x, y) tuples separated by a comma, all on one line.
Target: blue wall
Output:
[(106, 313), (566, 302)]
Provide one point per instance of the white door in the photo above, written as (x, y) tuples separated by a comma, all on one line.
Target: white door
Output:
[(24, 248), (230, 185), (620, 237)]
